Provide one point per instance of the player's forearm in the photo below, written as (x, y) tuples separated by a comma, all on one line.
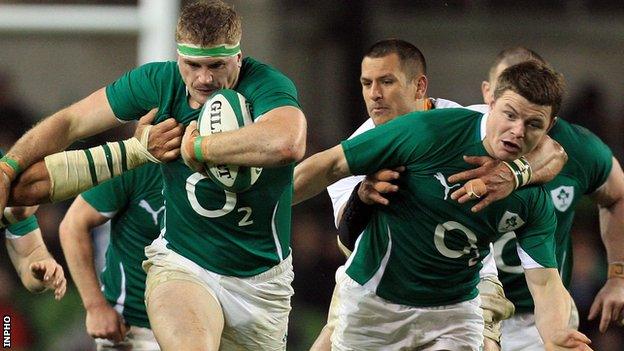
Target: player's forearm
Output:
[(272, 141), (552, 307), (546, 161), (78, 250), (318, 171), (610, 200), (66, 174), (354, 219), (612, 230), (31, 147), (87, 117)]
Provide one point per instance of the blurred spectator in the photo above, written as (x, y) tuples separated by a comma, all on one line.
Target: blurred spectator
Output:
[(14, 118), (587, 108)]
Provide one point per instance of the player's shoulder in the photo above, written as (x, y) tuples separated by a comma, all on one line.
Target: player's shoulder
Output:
[(444, 103), (483, 108), (367, 125), (256, 69), (441, 119), (580, 143), (160, 67)]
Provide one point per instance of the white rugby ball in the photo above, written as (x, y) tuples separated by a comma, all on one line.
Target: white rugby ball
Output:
[(226, 110)]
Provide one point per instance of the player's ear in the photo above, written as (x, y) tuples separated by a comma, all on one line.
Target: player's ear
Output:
[(552, 123), (485, 91), (421, 86), (239, 59)]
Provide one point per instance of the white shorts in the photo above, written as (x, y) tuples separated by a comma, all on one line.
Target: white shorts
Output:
[(255, 309), (521, 334), (137, 339), (367, 322), (332, 314)]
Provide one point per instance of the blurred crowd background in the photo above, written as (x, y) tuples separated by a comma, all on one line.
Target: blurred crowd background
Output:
[(46, 65)]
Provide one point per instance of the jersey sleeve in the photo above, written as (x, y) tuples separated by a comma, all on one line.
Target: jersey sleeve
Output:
[(396, 143), (595, 157), (110, 197), (21, 228), (136, 92), (537, 237)]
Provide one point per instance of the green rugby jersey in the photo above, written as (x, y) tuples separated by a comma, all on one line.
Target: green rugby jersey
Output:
[(21, 228), (235, 234), (588, 167), (134, 202), (425, 249)]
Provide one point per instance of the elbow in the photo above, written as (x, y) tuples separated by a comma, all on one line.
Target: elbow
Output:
[(561, 153), (290, 152), (555, 149), (293, 149), (65, 230)]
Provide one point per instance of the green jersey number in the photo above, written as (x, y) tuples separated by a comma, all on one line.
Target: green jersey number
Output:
[(228, 206), (441, 234)]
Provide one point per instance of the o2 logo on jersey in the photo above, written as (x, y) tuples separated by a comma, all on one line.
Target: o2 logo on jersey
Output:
[(442, 233), (562, 197), (228, 205)]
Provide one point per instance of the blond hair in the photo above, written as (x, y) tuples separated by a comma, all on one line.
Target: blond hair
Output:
[(209, 23)]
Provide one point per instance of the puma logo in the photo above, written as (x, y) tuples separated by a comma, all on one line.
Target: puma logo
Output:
[(151, 211), (442, 181)]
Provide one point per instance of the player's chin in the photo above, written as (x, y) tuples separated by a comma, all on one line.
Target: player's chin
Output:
[(203, 95), (506, 155)]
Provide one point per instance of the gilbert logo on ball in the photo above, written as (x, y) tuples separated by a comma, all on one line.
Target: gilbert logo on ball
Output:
[(225, 111)]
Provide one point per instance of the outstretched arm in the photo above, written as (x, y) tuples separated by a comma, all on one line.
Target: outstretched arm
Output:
[(87, 117), (318, 171), (609, 302), (75, 232), (546, 161), (69, 173)]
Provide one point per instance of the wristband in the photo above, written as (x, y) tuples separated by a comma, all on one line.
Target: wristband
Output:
[(197, 147), (521, 170), (616, 270), (10, 167)]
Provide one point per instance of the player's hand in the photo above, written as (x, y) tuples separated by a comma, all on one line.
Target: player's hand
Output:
[(162, 140), (188, 151), (568, 339), (609, 303), (375, 185), (105, 323), (490, 345), (51, 275), (498, 179)]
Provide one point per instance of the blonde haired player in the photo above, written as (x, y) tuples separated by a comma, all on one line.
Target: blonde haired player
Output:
[(220, 273)]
